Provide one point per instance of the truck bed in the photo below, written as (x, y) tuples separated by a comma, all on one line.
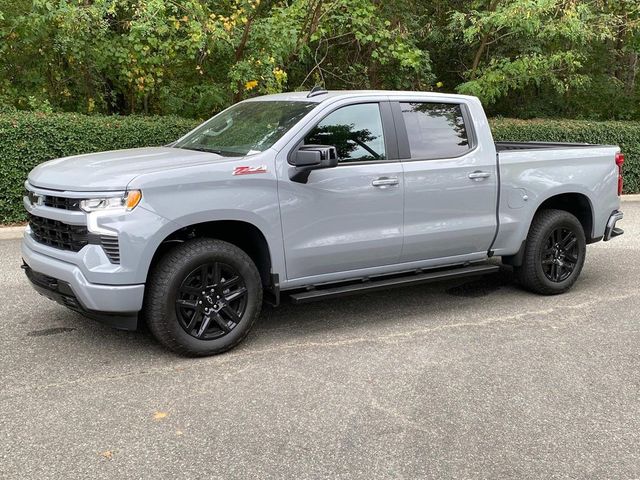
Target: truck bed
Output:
[(506, 146)]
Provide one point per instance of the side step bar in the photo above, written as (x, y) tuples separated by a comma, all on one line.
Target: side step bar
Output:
[(385, 283)]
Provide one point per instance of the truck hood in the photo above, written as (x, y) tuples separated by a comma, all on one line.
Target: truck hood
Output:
[(114, 170)]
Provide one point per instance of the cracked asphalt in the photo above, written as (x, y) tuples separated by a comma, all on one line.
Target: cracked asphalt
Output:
[(473, 379)]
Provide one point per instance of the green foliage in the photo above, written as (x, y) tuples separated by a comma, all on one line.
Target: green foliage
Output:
[(357, 44), (27, 139), (539, 57), (501, 76), (533, 42), (624, 134), (195, 57)]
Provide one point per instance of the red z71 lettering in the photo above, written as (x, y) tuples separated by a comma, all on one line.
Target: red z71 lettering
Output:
[(250, 170)]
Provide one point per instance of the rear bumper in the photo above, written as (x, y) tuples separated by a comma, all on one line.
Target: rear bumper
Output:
[(116, 305), (611, 231)]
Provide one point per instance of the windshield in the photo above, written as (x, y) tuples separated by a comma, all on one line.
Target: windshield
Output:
[(246, 128)]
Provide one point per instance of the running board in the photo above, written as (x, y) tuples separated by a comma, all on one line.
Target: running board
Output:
[(385, 283)]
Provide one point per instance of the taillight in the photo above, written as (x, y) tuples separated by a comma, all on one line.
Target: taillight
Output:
[(619, 163)]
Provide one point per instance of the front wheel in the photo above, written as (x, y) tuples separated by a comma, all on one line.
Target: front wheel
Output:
[(554, 253), (203, 297)]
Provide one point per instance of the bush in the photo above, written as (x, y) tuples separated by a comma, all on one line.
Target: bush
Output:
[(624, 134), (27, 139)]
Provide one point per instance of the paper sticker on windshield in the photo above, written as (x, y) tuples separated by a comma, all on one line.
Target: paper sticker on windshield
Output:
[(250, 170)]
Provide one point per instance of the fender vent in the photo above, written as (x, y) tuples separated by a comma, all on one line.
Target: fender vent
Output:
[(111, 247)]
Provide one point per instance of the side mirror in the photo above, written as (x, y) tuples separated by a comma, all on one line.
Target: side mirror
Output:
[(307, 158), (312, 157)]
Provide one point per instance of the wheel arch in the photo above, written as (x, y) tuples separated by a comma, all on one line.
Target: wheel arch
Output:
[(576, 203), (242, 234)]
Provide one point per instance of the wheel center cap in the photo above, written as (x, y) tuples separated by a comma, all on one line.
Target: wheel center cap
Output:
[(213, 303)]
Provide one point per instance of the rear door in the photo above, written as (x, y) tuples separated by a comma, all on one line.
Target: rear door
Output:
[(450, 183), (349, 217)]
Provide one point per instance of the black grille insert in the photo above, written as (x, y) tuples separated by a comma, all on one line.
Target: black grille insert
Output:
[(57, 234), (61, 202)]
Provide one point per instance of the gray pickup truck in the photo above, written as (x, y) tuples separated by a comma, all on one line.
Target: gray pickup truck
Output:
[(315, 194)]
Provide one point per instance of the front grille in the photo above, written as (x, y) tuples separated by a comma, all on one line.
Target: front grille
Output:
[(61, 202), (53, 201), (57, 234), (111, 247)]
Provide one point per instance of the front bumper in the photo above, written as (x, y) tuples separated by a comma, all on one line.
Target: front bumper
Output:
[(117, 305), (611, 231)]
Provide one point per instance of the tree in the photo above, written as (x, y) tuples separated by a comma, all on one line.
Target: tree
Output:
[(195, 57)]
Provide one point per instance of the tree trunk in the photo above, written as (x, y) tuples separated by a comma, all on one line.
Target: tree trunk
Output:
[(483, 42), (240, 52)]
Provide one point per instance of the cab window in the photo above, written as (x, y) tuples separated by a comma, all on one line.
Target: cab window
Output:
[(355, 131), (435, 130)]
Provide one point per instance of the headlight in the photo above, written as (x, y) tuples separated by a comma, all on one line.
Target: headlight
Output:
[(127, 202)]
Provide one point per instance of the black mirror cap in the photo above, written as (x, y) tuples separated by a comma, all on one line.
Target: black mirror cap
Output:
[(307, 158), (328, 154), (312, 157)]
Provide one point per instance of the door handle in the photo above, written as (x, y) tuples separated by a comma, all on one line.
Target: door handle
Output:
[(478, 175), (385, 181)]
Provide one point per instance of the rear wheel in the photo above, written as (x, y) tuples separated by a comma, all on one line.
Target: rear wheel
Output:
[(203, 297), (554, 253)]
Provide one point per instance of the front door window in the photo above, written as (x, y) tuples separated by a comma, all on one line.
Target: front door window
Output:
[(355, 131)]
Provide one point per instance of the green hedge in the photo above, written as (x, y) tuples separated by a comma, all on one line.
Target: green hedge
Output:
[(27, 139)]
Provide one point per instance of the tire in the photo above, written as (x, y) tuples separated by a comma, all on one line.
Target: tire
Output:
[(554, 254), (176, 310)]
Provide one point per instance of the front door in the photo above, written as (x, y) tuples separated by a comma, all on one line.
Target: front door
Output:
[(348, 217)]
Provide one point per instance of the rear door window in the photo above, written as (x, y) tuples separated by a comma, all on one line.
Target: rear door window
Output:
[(435, 130)]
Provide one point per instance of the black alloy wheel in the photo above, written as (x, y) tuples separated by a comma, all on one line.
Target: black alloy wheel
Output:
[(560, 255), (554, 253), (202, 297), (211, 301)]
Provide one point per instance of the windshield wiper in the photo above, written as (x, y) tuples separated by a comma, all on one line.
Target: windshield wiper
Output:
[(203, 149), (222, 153)]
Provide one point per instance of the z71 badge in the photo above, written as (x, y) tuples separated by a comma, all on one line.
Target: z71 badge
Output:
[(250, 170)]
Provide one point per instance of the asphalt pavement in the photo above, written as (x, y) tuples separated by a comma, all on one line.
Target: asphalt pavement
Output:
[(472, 379)]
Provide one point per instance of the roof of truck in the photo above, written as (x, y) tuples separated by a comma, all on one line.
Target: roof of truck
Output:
[(319, 97)]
